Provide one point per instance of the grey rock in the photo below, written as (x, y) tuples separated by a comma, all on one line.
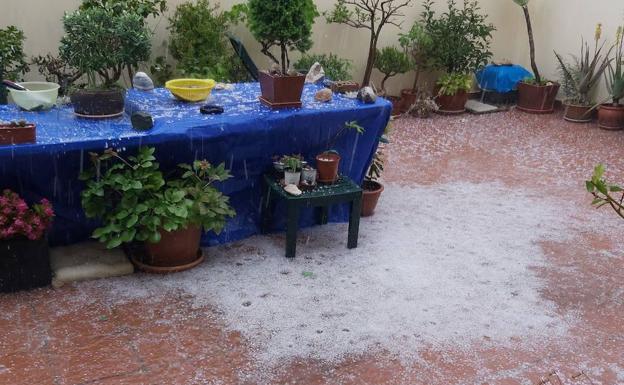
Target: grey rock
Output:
[(367, 95), (142, 121), (142, 81)]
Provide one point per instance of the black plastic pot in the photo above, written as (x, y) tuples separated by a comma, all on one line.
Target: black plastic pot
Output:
[(24, 264), (99, 103)]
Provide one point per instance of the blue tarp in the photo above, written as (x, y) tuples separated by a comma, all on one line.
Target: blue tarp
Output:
[(245, 137), (501, 78)]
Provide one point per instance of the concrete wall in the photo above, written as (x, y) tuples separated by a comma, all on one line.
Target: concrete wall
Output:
[(559, 24)]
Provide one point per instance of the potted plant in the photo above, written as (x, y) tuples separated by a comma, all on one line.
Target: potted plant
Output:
[(535, 95), (371, 186), (287, 25), (579, 78), (12, 59), (369, 15), (136, 203), (391, 61), (101, 43), (460, 40), (292, 169), (328, 162), (611, 115), (415, 43), (24, 252), (17, 132), (308, 175), (336, 68)]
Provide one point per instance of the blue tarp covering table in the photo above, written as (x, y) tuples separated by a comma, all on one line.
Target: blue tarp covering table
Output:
[(501, 78), (245, 137)]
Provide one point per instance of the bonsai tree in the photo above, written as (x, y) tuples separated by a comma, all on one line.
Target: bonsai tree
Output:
[(285, 24), (416, 43), (391, 61), (199, 44), (12, 59), (100, 44), (56, 70), (524, 4), (335, 68), (370, 15)]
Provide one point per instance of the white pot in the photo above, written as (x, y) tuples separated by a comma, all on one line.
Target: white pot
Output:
[(309, 175), (292, 177)]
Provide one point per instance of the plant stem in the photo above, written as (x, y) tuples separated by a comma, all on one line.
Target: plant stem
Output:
[(527, 16)]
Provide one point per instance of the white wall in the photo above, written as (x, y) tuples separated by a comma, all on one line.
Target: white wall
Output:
[(558, 24)]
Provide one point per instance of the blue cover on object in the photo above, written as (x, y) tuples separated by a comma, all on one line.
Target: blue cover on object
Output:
[(501, 78), (245, 137)]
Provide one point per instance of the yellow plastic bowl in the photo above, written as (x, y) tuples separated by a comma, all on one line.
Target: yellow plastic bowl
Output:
[(191, 90)]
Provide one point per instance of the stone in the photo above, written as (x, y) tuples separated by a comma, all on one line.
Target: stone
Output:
[(325, 95), (315, 74), (367, 95), (211, 109), (142, 121), (142, 81), (293, 190)]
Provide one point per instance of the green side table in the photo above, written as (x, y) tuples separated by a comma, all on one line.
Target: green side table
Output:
[(323, 196)]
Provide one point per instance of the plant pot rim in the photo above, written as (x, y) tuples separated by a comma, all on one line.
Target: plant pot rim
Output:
[(568, 104), (611, 106), (277, 76), (539, 85), (332, 155), (379, 187), (28, 125)]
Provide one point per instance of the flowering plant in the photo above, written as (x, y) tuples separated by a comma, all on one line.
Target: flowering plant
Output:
[(17, 220)]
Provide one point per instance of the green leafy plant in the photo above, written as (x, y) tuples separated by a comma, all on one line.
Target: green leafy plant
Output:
[(451, 84), (460, 37), (56, 70), (615, 72), (416, 43), (199, 44), (580, 77), (161, 71), (135, 201), (602, 191), (285, 24), (391, 61), (369, 15), (350, 125), (101, 44), (12, 58), (144, 8), (335, 68), (292, 163)]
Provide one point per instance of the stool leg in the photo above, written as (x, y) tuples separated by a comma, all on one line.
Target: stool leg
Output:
[(323, 215), (292, 226), (266, 212), (354, 222)]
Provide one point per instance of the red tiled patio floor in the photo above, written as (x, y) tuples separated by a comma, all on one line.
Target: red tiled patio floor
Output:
[(129, 344)]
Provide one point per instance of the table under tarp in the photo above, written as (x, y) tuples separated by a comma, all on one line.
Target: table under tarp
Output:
[(245, 137)]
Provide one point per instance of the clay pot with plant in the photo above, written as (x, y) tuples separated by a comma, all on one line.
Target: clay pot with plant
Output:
[(137, 205), (328, 162), (292, 165), (371, 186), (460, 41), (287, 25), (17, 132), (579, 78), (611, 115), (415, 43), (12, 58), (535, 95), (391, 61), (100, 43)]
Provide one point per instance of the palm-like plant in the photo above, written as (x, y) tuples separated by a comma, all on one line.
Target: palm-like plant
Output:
[(527, 16), (615, 73)]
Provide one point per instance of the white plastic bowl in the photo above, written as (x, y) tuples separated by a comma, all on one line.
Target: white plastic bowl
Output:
[(40, 95)]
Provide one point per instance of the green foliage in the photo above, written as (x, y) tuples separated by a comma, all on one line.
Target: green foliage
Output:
[(292, 163), (135, 202), (286, 24), (199, 44), (56, 70), (144, 8), (100, 44), (416, 44), (451, 84), (460, 37), (348, 126), (602, 191), (391, 61), (336, 68), (161, 71), (12, 58), (615, 72), (522, 3)]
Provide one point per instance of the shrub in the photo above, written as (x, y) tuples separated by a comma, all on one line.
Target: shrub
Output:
[(12, 59), (391, 61), (335, 67), (416, 43), (17, 220), (451, 84), (144, 8)]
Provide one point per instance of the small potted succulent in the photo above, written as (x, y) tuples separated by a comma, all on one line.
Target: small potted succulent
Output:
[(17, 132), (580, 77), (138, 205), (24, 252), (308, 176), (292, 169), (328, 162), (611, 115), (391, 61), (371, 187), (12, 58), (535, 95), (415, 43), (100, 43), (287, 25)]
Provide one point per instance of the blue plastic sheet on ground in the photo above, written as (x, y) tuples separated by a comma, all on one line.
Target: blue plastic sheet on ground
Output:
[(245, 137), (501, 78)]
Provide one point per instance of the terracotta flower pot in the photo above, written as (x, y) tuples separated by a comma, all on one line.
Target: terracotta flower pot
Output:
[(16, 134), (578, 114), (281, 91), (611, 117), (98, 103), (327, 166), (408, 98), (537, 99), (452, 104), (396, 105), (370, 197), (176, 251)]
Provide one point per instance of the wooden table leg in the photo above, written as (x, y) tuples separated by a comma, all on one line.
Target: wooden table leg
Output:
[(292, 226), (354, 222)]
